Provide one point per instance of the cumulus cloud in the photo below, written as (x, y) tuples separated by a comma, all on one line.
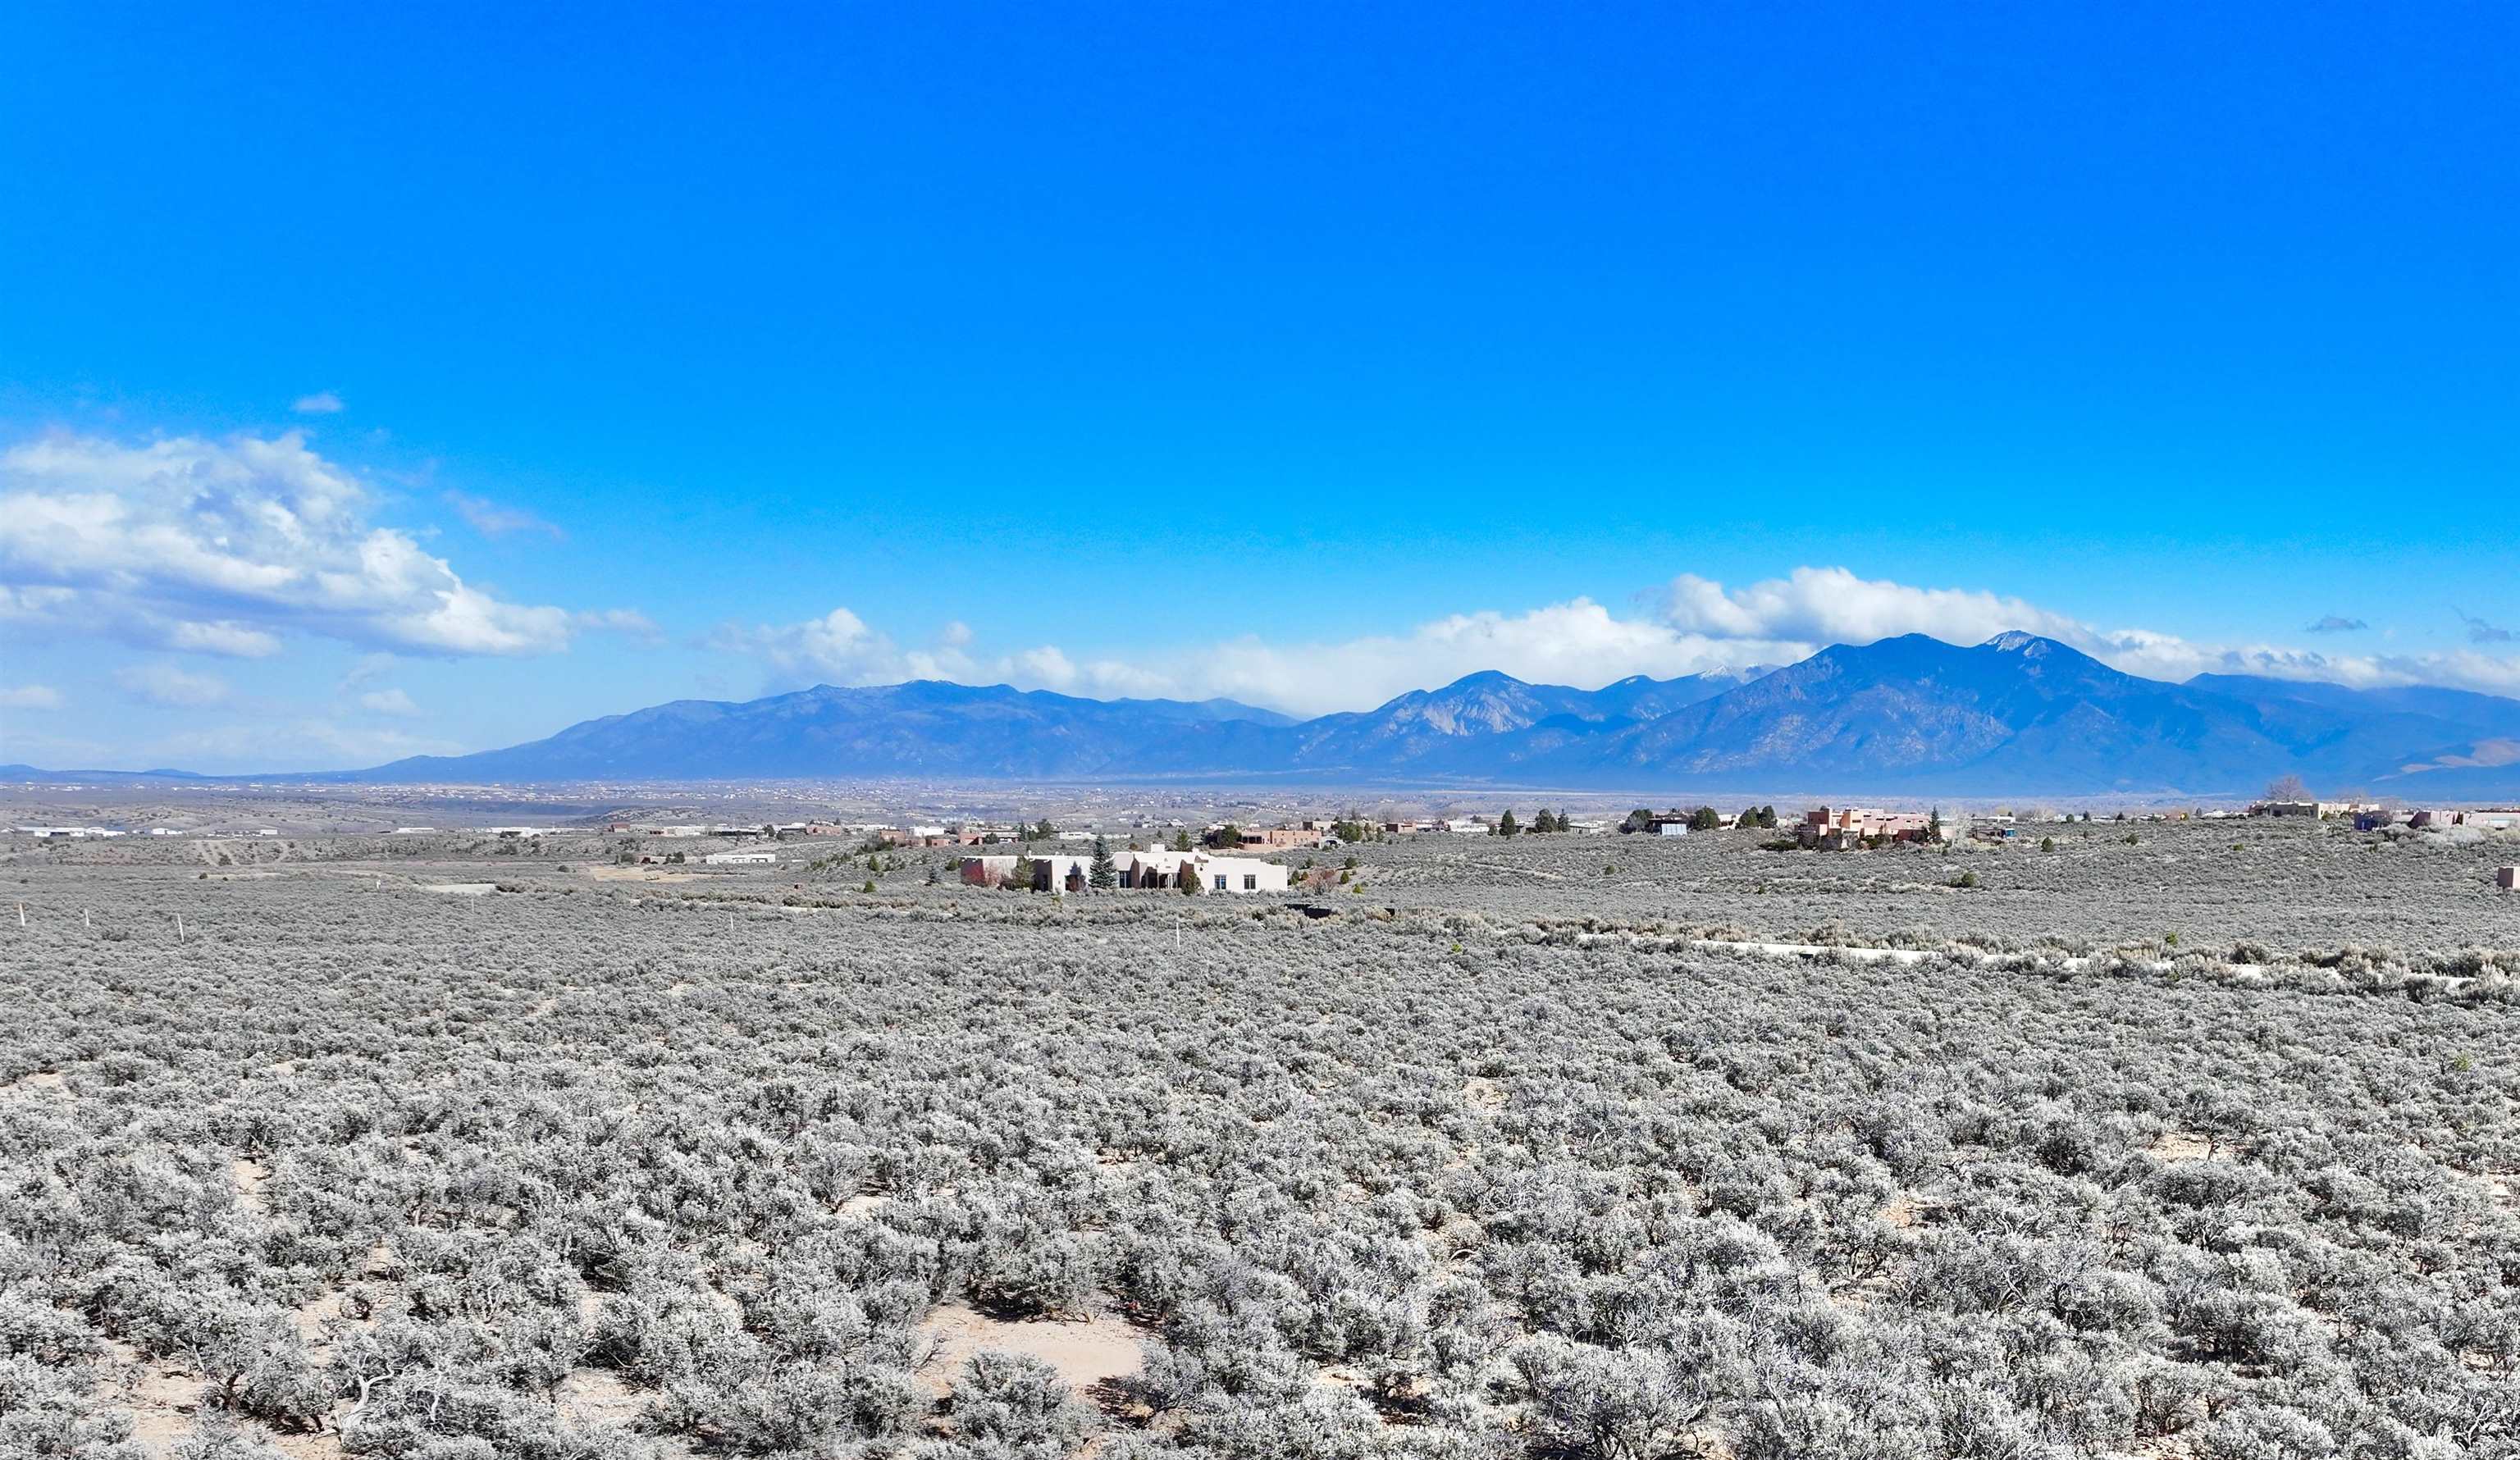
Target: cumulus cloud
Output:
[(2337, 623), (29, 697), (840, 649), (165, 684), (1833, 606), (320, 403), (839, 646), (225, 546), (387, 702), (1815, 606), (492, 520), (1575, 642)]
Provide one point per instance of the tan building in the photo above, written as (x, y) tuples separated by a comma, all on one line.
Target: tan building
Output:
[(1274, 838), (1055, 871)]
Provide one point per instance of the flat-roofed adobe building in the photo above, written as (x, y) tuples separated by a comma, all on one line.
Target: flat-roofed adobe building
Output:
[(1053, 872), (1213, 874)]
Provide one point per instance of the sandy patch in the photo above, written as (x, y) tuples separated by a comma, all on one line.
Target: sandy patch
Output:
[(865, 1203), (158, 1394), (461, 889), (637, 874), (2177, 1146), (41, 1080), (589, 1397), (249, 1178), (323, 1445), (311, 1318), (1481, 1093), (1084, 1352)]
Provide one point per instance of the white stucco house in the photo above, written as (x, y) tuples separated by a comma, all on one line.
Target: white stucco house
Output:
[(1231, 875)]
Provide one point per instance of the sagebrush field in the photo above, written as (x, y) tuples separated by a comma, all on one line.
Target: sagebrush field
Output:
[(2170, 1147)]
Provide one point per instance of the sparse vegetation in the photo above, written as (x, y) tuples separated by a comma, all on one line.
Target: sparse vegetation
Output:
[(610, 1168)]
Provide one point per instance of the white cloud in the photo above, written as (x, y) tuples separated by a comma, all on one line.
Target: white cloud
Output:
[(320, 403), (29, 697), (490, 519), (224, 547), (838, 647), (841, 650), (229, 637), (625, 621), (165, 684), (1694, 625), (1814, 607), (1574, 642), (1046, 667), (387, 702), (31, 604), (1833, 606)]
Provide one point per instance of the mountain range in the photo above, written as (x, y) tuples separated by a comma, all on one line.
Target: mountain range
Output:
[(2018, 713)]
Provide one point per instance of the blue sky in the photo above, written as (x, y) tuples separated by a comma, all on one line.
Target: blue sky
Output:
[(372, 383)]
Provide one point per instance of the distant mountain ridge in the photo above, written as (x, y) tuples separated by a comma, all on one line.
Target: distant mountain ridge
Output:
[(2016, 715)]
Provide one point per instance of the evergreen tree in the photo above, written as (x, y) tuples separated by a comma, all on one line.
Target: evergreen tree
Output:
[(1640, 819), (1102, 875), (1705, 818), (1506, 825), (1181, 840)]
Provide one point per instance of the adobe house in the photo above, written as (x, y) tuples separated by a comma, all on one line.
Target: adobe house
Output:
[(1055, 871), (1228, 874)]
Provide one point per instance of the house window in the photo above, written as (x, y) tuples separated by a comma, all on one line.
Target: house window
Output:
[(1250, 881), (1220, 882)]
